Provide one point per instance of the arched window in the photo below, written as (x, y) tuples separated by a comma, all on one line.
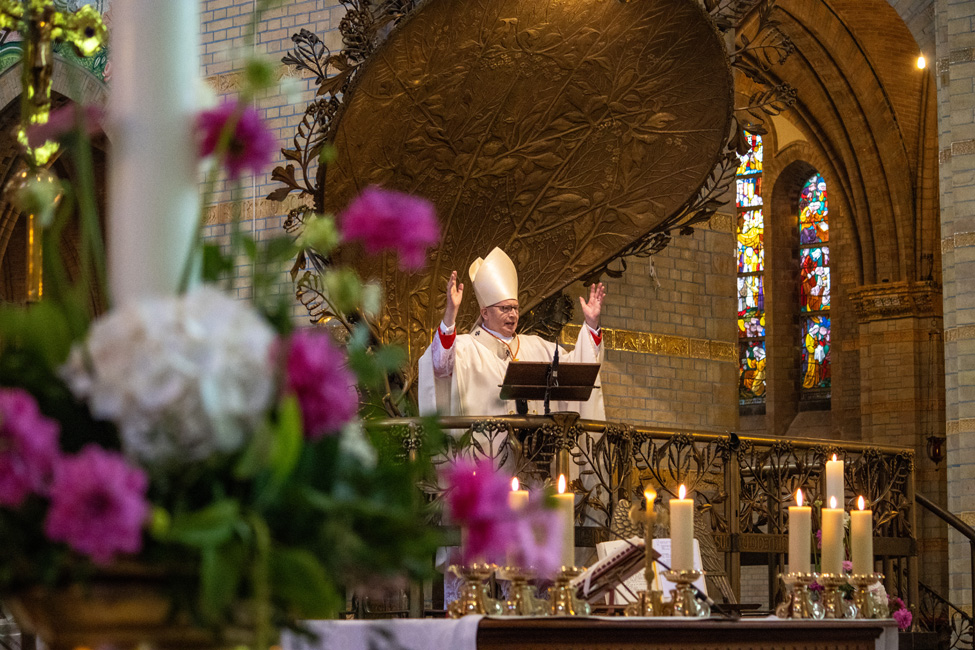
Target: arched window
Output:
[(751, 269), (814, 290)]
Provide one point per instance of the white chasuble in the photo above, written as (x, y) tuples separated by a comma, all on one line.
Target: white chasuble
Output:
[(480, 362)]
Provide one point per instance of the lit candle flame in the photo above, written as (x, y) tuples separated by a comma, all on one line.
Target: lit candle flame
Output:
[(860, 503), (561, 483), (799, 498), (514, 484), (832, 502), (834, 458), (681, 491), (921, 63), (650, 496)]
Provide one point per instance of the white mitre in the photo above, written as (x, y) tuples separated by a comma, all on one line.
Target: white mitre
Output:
[(494, 278)]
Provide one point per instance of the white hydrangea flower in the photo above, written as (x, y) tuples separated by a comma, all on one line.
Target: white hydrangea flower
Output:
[(181, 377)]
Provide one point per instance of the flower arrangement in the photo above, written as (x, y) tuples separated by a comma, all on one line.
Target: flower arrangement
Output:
[(200, 435), (477, 499)]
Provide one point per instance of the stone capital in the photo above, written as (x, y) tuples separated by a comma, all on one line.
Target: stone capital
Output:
[(892, 300)]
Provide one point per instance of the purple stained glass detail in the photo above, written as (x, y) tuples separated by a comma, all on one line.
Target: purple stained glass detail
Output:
[(813, 211), (751, 375), (815, 362), (749, 192), (751, 307)]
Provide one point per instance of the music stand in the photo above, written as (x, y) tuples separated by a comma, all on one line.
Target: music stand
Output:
[(529, 380)]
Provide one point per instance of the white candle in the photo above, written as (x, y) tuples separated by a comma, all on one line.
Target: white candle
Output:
[(834, 481), (681, 532), (800, 536), (517, 499), (566, 506), (861, 538), (153, 203), (832, 538)]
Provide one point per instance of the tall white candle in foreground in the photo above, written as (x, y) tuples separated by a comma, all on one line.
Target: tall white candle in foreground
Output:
[(834, 481), (800, 536), (153, 203), (681, 532), (566, 506), (861, 538), (832, 538)]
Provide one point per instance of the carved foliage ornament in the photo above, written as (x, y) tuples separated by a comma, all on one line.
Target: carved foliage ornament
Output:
[(562, 131)]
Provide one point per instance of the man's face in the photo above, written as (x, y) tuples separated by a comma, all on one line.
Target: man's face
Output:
[(501, 318)]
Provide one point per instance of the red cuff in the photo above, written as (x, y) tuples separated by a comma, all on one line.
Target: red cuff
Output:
[(447, 340), (596, 338)]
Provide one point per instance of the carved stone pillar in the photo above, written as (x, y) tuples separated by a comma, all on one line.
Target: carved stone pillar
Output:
[(902, 393)]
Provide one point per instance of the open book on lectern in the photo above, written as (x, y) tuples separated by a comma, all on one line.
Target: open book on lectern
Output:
[(528, 379)]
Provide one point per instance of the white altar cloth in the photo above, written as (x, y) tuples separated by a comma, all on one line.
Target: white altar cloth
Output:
[(396, 634)]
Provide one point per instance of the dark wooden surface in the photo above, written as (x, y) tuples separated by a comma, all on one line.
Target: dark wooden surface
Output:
[(661, 634)]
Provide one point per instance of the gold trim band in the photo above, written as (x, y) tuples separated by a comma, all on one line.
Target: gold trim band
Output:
[(648, 343)]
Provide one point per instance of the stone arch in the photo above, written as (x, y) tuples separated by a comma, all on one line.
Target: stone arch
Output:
[(858, 103)]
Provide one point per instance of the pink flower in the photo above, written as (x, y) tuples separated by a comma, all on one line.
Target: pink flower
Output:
[(903, 617), (317, 375), (847, 566), (819, 538), (387, 220), (538, 538), (28, 447), (476, 492), (250, 146), (477, 500), (98, 504), (68, 119)]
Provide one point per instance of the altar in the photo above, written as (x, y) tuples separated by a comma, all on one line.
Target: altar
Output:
[(599, 633)]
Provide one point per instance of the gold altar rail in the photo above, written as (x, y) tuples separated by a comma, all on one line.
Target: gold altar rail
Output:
[(742, 485)]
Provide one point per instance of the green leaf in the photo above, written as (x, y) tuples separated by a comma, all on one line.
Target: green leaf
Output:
[(288, 438), (221, 572), (211, 526), (298, 578), (215, 263)]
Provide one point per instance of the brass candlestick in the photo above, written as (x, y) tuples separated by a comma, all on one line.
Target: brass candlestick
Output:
[(648, 603), (685, 602), (834, 604), (474, 598), (798, 601), (521, 599), (868, 606), (561, 597)]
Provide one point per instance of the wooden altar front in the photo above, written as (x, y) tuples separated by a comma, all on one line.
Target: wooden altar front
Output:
[(683, 634)]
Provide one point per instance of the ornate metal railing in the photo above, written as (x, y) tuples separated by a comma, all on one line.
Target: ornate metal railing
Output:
[(936, 613), (742, 485)]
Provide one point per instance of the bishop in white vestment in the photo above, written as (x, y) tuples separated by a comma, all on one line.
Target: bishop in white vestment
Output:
[(460, 374)]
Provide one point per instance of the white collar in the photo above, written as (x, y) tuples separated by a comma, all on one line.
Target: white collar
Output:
[(506, 339)]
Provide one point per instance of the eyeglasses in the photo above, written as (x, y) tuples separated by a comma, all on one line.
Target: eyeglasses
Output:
[(506, 309)]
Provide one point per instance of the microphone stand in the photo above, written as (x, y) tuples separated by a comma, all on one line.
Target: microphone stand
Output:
[(551, 378)]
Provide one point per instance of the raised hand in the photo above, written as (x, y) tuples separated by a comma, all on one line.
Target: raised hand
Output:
[(455, 293), (592, 309)]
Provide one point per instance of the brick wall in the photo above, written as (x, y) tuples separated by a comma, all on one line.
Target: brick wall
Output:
[(683, 382)]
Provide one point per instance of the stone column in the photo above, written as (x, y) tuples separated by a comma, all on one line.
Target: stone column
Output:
[(901, 395), (955, 42)]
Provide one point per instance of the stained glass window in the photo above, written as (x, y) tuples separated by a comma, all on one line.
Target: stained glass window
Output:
[(814, 290), (750, 234)]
